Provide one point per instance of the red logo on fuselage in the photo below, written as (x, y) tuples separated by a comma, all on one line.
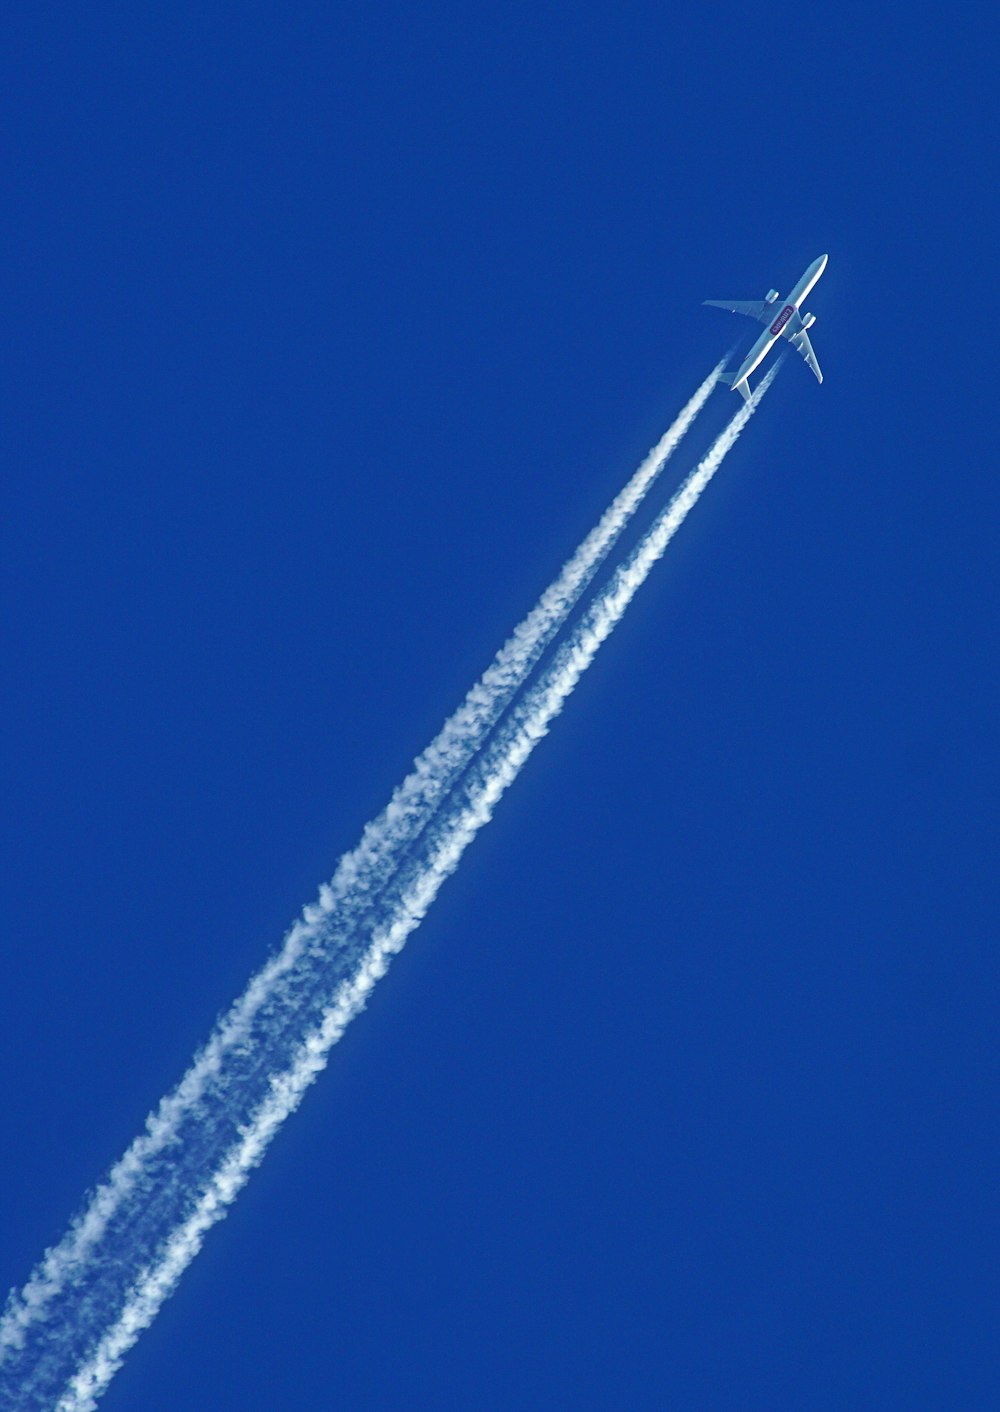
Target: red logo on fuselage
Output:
[(783, 318)]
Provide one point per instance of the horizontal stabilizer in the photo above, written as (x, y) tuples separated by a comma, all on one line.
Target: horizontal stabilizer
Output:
[(741, 387)]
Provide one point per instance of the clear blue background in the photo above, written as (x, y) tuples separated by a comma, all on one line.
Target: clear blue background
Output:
[(328, 330)]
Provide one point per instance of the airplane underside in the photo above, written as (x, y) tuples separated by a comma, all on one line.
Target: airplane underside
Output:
[(780, 321)]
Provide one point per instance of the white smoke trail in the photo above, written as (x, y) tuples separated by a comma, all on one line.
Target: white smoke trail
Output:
[(489, 778), (358, 876)]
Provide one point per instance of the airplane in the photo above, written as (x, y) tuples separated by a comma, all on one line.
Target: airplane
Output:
[(788, 323)]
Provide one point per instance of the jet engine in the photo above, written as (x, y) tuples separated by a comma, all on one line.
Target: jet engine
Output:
[(770, 296), (807, 321)]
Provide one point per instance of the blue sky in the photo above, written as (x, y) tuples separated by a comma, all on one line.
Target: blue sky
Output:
[(329, 331)]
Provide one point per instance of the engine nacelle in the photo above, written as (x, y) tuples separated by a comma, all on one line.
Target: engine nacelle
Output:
[(807, 321), (771, 296)]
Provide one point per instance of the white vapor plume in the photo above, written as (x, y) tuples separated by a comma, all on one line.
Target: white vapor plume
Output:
[(470, 805), (360, 876)]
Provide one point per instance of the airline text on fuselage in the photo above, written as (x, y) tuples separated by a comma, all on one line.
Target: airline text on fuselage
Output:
[(782, 318)]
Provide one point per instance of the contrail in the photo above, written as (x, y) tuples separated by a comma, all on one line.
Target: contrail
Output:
[(359, 876), (470, 805)]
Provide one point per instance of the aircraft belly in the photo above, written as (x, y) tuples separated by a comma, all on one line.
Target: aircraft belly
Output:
[(756, 355), (804, 287)]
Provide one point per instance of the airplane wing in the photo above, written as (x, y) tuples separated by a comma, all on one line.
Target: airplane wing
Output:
[(800, 342), (753, 308)]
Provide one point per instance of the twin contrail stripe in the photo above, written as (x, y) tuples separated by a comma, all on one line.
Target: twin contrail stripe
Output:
[(469, 807), (360, 876)]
